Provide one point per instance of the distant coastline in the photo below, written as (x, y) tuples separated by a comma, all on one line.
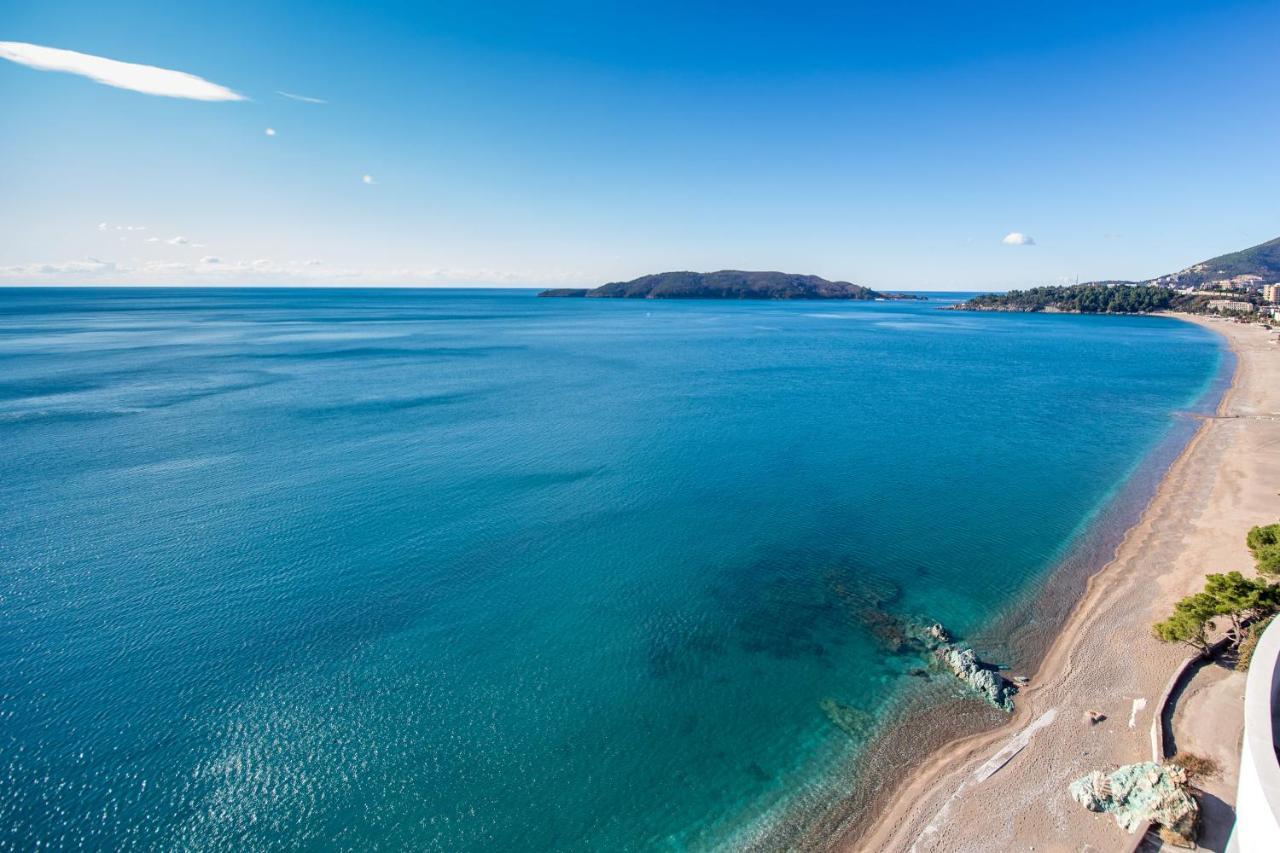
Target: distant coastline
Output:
[(1238, 284), (1089, 299)]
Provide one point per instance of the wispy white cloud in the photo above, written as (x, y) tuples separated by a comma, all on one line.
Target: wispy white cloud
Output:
[(178, 241), (271, 131), (1017, 238), (106, 226), (368, 179), (147, 79), (86, 267), (303, 98), (211, 269)]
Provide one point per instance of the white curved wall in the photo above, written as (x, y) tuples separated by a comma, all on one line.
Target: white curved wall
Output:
[(1257, 827)]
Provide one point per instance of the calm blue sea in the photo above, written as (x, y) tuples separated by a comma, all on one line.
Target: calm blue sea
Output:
[(472, 570)]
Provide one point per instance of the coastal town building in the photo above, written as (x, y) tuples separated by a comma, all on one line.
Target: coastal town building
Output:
[(1271, 293), (1239, 283), (1230, 305)]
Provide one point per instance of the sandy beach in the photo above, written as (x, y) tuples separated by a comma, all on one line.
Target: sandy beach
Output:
[(1005, 789)]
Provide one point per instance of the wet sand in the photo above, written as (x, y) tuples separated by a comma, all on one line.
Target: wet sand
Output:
[(1005, 789)]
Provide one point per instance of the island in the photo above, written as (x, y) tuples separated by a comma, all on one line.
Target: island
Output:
[(1240, 284), (729, 284)]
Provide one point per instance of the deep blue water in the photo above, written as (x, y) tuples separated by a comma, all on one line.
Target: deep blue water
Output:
[(464, 570)]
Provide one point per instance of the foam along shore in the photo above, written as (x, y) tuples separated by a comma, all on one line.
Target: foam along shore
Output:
[(1104, 660)]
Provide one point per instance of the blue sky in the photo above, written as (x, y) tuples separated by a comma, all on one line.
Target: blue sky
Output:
[(579, 143)]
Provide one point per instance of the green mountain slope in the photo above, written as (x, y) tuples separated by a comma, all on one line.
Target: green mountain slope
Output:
[(1262, 260)]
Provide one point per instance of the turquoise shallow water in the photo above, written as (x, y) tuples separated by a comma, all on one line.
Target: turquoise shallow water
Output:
[(473, 570)]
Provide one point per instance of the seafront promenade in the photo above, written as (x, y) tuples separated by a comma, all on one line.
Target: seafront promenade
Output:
[(1011, 784)]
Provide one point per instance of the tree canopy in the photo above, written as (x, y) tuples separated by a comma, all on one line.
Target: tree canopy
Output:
[(1190, 623), (1231, 595), (1264, 544), (1084, 298)]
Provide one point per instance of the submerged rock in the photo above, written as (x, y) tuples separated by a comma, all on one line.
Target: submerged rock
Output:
[(889, 631), (1139, 794), (929, 636), (854, 722), (937, 633)]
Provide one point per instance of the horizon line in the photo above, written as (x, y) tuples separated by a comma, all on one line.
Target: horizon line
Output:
[(461, 286)]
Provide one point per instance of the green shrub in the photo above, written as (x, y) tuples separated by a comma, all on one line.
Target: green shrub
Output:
[(1250, 642), (1264, 544), (1197, 766)]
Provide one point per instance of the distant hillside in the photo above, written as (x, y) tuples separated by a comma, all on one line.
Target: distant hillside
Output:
[(1249, 268), (728, 284), (1262, 261)]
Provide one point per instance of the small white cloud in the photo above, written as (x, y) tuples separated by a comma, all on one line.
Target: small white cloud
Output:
[(302, 98), (147, 79), (315, 262), (271, 131), (102, 226), (153, 239), (368, 179), (178, 241), (210, 260), (1017, 238)]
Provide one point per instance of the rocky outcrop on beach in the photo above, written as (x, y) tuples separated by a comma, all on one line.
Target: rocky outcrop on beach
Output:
[(1141, 794), (931, 640), (963, 662)]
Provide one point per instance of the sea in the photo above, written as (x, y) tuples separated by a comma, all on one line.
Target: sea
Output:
[(471, 570)]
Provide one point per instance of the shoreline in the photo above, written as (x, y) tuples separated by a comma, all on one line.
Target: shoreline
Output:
[(932, 801)]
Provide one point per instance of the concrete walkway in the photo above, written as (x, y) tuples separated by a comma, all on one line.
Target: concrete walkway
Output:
[(1208, 721)]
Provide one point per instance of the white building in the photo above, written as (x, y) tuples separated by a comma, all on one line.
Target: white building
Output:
[(1257, 828), (1230, 305)]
